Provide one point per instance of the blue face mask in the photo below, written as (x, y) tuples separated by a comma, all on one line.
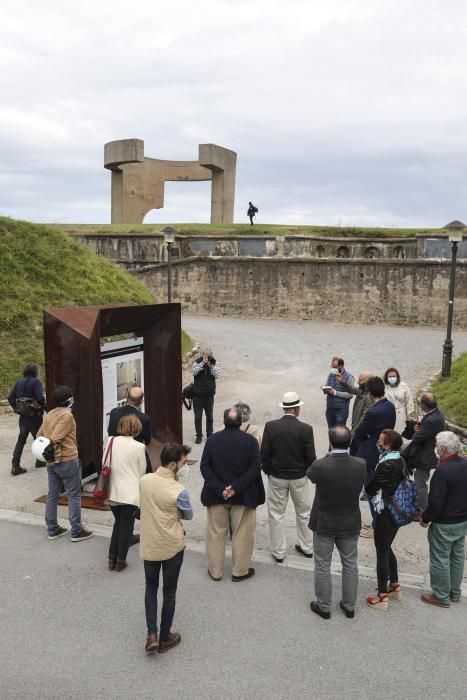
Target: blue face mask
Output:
[(392, 381)]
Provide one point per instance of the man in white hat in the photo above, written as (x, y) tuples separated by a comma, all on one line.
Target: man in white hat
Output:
[(287, 450)]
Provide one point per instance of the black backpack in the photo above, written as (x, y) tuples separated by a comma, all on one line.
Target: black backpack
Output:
[(187, 396)]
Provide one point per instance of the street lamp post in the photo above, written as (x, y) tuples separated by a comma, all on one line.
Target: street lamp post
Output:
[(169, 238), (455, 230)]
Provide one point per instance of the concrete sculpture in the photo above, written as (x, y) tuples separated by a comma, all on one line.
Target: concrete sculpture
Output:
[(138, 182)]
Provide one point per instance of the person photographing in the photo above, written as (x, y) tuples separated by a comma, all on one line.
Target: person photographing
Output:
[(205, 372)]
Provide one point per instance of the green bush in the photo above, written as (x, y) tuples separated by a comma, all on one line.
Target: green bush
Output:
[(452, 393), (41, 267)]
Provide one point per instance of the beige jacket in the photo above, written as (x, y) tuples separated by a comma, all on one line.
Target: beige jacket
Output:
[(59, 427), (128, 465), (401, 397), (161, 531), (252, 430)]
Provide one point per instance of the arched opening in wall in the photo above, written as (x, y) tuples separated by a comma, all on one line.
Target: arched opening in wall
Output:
[(372, 252), (184, 203), (320, 251), (399, 252), (343, 252)]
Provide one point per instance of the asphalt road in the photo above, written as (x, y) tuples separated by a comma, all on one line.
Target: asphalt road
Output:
[(71, 629)]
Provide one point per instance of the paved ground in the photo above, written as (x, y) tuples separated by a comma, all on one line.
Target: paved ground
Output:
[(260, 360), (71, 630)]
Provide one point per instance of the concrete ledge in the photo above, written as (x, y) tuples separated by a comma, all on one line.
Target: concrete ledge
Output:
[(261, 556)]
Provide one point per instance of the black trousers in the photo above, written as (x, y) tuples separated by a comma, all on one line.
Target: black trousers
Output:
[(386, 562), (170, 573), (122, 531), (200, 404), (26, 425)]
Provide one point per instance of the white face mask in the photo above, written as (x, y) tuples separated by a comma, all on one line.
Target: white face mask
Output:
[(392, 380), (69, 403), (334, 370), (183, 471), (438, 456)]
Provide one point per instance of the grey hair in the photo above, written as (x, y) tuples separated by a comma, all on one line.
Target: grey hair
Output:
[(244, 410), (449, 441)]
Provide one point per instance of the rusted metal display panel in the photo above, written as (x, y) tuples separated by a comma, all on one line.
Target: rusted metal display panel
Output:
[(72, 356)]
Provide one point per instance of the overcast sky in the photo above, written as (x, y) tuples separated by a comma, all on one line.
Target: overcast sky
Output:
[(349, 112)]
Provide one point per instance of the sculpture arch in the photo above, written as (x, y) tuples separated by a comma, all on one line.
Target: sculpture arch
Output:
[(138, 181)]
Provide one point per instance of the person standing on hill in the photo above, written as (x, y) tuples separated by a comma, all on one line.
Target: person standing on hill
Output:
[(28, 401), (205, 372), (252, 211)]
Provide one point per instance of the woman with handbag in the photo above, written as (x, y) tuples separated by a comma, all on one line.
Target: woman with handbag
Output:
[(127, 460), (387, 477)]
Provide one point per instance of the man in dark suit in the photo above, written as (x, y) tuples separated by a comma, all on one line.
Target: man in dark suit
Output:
[(287, 450), (336, 520), (420, 454), (132, 407), (382, 415), (232, 490)]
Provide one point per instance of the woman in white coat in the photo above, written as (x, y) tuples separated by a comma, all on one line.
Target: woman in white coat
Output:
[(128, 465), (399, 394)]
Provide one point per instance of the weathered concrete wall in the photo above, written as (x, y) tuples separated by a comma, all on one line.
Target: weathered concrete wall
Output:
[(365, 291), (133, 250)]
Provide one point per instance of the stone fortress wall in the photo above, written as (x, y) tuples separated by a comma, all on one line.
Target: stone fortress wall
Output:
[(397, 281)]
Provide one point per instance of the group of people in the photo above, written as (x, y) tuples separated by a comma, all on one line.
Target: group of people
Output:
[(386, 443)]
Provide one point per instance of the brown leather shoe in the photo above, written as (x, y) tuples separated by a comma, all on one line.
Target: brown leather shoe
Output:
[(431, 599), (16, 470), (173, 640), (152, 643), (112, 563), (120, 565)]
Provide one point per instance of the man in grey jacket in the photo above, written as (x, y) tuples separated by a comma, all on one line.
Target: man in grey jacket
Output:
[(363, 400), (336, 520)]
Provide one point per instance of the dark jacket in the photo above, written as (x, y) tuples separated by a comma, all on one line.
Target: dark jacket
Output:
[(387, 477), (27, 387), (447, 500), (204, 383), (287, 448), (127, 410), (381, 416), (421, 451), (339, 479), (231, 458)]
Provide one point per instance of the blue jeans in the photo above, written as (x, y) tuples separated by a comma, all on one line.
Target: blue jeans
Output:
[(337, 416), (67, 474)]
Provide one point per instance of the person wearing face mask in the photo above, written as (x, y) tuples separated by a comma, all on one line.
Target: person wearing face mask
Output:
[(127, 459), (399, 394), (420, 453), (164, 502), (337, 397), (447, 515), (388, 475), (59, 427)]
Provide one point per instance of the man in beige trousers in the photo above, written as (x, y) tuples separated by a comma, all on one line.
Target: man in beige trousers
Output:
[(287, 450), (232, 490)]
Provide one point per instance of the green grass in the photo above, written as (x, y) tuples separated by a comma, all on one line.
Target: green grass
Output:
[(40, 266), (452, 394), (243, 230)]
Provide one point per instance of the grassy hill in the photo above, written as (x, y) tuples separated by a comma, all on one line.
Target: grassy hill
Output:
[(452, 394), (244, 230), (41, 266)]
